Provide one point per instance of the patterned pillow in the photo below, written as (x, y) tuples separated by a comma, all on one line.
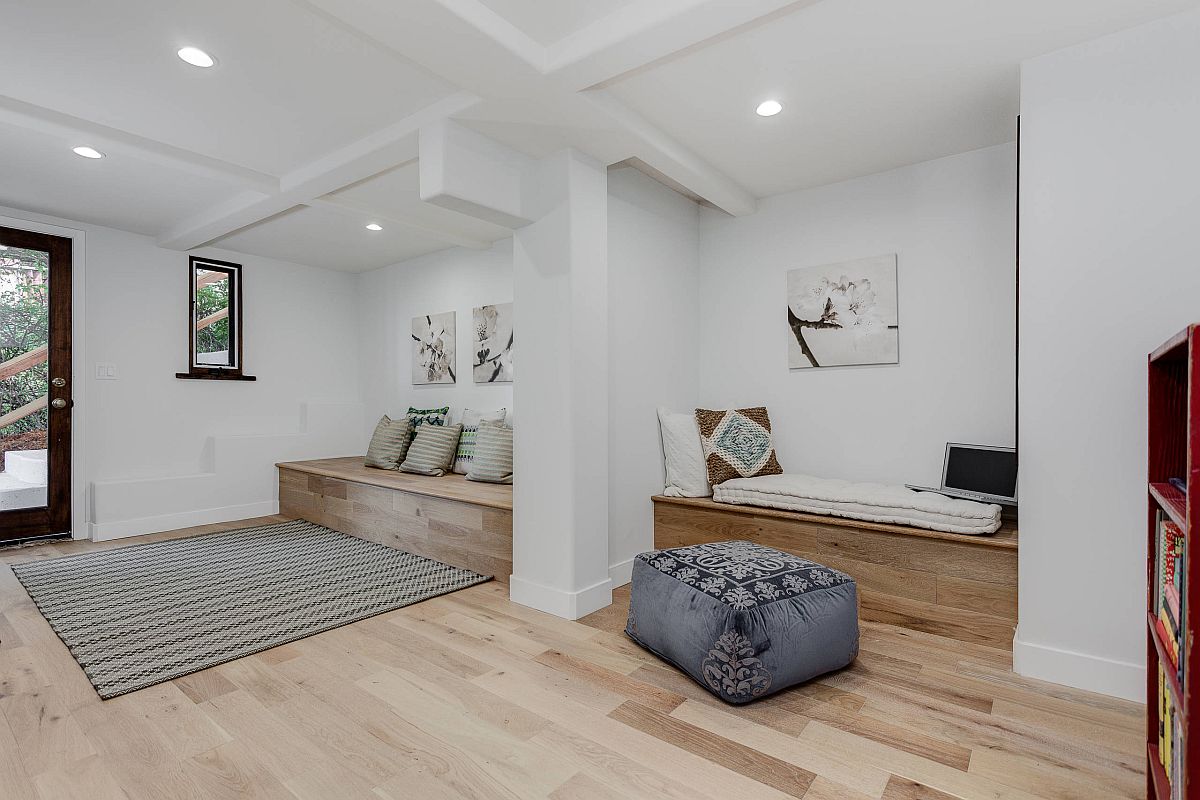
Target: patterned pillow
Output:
[(389, 443), (432, 450), (737, 443), (493, 461), (466, 442), (428, 416)]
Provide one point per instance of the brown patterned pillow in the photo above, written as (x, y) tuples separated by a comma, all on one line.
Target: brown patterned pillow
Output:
[(737, 443)]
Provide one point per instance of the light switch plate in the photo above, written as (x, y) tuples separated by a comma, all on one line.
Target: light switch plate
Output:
[(106, 372)]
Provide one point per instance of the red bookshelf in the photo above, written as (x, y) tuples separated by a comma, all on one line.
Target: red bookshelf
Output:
[(1174, 452)]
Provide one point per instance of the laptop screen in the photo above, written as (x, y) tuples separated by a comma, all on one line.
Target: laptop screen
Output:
[(981, 469)]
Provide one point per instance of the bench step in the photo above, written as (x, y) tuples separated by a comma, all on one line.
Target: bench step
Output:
[(958, 586), (456, 521)]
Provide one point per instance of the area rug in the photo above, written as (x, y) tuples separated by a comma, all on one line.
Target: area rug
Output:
[(144, 614)]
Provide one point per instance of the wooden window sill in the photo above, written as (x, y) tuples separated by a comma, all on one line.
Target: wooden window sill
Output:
[(203, 376)]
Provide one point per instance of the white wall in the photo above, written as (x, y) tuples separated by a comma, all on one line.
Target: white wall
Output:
[(653, 257), (456, 280), (951, 222), (158, 452), (1109, 269)]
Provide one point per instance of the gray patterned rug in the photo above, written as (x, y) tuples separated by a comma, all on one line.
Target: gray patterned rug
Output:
[(144, 614)]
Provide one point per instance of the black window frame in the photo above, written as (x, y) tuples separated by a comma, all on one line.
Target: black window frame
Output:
[(235, 371)]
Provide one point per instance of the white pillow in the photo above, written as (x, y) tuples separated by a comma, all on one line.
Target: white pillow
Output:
[(687, 474), (470, 422)]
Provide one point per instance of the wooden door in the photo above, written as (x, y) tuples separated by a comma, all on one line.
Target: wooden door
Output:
[(35, 384)]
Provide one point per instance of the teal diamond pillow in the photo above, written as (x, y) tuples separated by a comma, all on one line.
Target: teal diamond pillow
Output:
[(737, 443)]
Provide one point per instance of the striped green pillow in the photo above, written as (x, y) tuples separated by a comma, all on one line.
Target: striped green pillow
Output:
[(432, 450), (493, 462), (389, 443)]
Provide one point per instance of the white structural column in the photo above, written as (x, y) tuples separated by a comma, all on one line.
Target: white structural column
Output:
[(560, 286)]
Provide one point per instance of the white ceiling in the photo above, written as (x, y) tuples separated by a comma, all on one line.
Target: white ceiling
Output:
[(867, 85), (289, 85), (38, 172), (395, 196), (324, 238), (307, 127)]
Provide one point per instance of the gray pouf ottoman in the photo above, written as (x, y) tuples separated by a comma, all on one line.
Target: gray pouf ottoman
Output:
[(743, 620)]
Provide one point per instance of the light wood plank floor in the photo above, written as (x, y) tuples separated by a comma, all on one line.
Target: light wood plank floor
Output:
[(471, 696)]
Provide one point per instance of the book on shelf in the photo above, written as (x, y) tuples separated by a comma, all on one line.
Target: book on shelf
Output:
[(1167, 638), (1168, 606), (1170, 737), (1171, 598)]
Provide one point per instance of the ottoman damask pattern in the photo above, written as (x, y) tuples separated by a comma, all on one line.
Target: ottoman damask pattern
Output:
[(743, 620)]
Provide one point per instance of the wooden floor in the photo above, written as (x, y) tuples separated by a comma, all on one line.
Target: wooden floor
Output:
[(471, 696)]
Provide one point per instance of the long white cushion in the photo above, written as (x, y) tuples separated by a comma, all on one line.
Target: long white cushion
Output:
[(687, 474), (872, 502)]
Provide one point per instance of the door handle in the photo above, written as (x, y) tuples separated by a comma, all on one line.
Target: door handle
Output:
[(58, 402)]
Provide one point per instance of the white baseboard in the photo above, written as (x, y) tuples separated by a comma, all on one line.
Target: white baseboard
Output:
[(120, 529), (622, 573), (1080, 670), (568, 605)]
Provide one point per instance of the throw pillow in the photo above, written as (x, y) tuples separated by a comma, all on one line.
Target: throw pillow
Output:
[(737, 444), (389, 443), (493, 462), (428, 416), (687, 475), (432, 450), (470, 429)]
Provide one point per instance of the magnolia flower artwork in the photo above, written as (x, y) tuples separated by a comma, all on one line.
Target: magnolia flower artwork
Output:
[(843, 314), (493, 343), (433, 349)]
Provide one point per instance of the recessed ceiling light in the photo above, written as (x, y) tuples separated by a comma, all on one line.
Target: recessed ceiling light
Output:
[(87, 152), (769, 108), (196, 57), (374, 226)]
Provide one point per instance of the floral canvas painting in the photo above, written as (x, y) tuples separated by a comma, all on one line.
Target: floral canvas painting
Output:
[(433, 349), (493, 343), (843, 314)]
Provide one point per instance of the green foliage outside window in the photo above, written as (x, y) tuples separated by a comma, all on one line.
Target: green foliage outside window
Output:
[(210, 299)]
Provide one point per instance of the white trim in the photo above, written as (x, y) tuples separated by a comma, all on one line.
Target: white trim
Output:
[(568, 605), (36, 223), (621, 573), (105, 531), (1080, 670)]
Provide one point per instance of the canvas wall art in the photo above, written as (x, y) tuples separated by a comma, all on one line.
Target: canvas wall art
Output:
[(433, 349), (493, 343), (843, 314)]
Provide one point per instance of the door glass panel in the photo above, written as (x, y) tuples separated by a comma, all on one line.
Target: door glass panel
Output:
[(24, 339)]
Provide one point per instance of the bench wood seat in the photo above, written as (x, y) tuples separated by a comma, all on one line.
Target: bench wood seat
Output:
[(463, 523), (956, 585)]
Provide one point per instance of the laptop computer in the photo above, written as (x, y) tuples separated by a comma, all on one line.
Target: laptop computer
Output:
[(978, 472)]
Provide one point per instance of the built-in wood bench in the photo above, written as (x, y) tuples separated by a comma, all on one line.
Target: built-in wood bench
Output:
[(963, 587), (460, 522)]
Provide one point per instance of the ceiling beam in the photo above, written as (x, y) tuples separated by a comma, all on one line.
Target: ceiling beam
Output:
[(638, 35), (386, 148), (666, 155), (519, 84), (112, 141)]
